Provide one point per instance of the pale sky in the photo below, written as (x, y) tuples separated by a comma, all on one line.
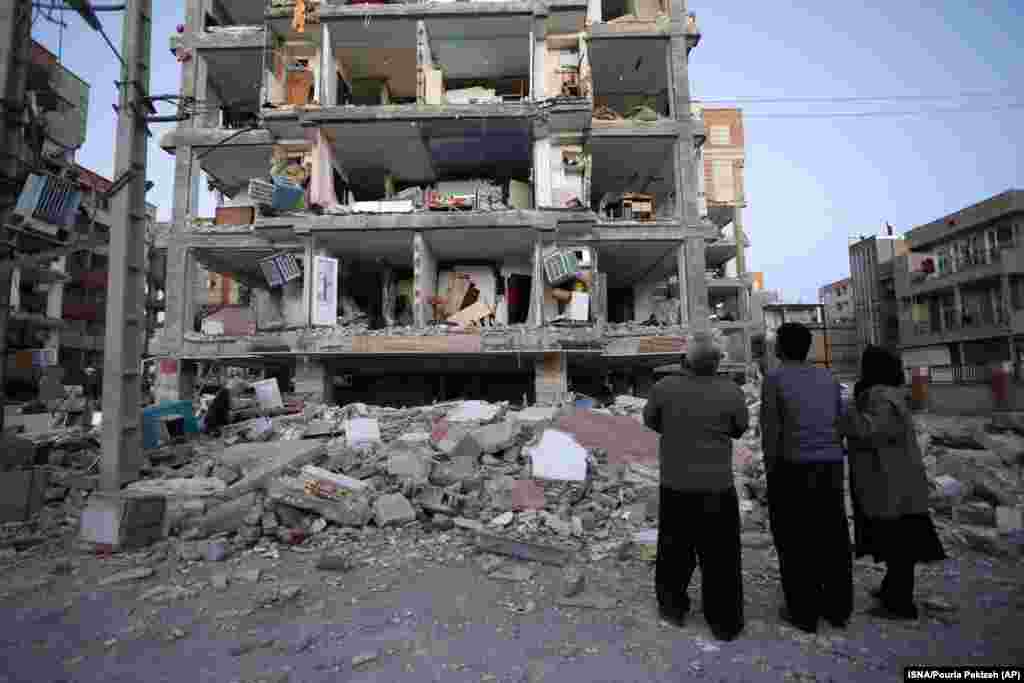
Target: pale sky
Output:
[(811, 183)]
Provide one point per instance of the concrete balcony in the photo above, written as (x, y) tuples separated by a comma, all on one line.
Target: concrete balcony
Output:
[(990, 263), (930, 333)]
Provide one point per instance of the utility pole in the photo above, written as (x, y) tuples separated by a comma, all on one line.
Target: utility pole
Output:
[(122, 428)]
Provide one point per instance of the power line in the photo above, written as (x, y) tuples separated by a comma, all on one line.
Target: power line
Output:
[(882, 114), (867, 98)]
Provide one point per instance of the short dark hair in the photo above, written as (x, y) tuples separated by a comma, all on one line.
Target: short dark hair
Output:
[(794, 341)]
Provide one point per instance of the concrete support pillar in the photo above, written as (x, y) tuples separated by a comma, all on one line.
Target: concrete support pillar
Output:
[(537, 289), (539, 79), (312, 380), (542, 172), (424, 277), (696, 283), (958, 305), (389, 294), (684, 289), (740, 238), (551, 378), (55, 304), (328, 68)]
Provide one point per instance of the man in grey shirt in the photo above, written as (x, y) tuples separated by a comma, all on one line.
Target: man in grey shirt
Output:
[(803, 457), (698, 414)]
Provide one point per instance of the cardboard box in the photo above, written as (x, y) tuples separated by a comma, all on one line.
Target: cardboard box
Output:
[(234, 215), (22, 493)]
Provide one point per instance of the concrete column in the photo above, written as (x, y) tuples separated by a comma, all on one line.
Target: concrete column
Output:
[(542, 172), (685, 166), (537, 289), (1004, 284), (424, 280), (178, 287), (540, 53), (958, 305), (389, 294), (740, 237), (311, 380), (551, 378), (55, 304), (684, 300), (696, 283)]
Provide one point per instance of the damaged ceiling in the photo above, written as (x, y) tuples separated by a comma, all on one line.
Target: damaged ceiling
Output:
[(235, 75), (486, 244), (481, 47), (242, 12), (393, 247), (234, 166), (628, 263), (420, 152), (629, 66), (633, 164)]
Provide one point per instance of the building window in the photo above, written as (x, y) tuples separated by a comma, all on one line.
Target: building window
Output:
[(719, 135), (723, 180)]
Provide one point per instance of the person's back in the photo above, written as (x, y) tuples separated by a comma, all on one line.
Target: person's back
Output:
[(699, 417), (808, 404)]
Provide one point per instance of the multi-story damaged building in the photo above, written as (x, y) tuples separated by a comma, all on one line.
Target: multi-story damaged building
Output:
[(425, 200)]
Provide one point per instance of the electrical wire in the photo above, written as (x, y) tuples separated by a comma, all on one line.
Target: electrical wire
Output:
[(867, 98), (882, 113)]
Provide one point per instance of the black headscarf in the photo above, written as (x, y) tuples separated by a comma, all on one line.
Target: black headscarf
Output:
[(878, 367)]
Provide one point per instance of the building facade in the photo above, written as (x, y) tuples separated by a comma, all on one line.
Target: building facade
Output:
[(837, 298), (961, 286), (875, 307), (423, 200)]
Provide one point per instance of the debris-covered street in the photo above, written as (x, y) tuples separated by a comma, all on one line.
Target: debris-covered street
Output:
[(467, 542)]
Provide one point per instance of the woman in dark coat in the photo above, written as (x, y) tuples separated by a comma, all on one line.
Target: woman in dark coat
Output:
[(888, 483)]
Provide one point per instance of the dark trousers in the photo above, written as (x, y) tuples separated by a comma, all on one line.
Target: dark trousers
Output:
[(812, 538), (701, 527), (898, 586)]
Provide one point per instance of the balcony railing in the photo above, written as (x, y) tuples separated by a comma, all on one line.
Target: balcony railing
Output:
[(975, 258), (955, 374), (952, 322)]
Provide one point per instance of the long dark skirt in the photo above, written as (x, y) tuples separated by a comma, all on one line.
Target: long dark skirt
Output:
[(910, 538)]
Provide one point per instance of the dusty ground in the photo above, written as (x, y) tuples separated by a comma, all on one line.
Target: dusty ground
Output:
[(419, 606)]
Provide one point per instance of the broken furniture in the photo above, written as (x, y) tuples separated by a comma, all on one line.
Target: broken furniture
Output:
[(234, 215)]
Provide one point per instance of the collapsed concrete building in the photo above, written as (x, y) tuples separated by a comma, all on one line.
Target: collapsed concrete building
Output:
[(420, 201)]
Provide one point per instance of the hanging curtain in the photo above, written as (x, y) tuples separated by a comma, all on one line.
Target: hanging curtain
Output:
[(321, 187)]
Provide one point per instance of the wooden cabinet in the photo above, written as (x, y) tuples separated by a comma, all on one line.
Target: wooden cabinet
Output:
[(298, 86)]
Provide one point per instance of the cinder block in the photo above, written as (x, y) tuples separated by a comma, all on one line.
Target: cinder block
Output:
[(123, 521)]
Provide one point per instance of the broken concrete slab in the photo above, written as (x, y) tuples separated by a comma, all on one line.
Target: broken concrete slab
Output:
[(468, 447), (228, 475), (415, 438), (501, 489), (976, 513), (340, 481), (346, 510), (534, 415), (136, 574), (496, 437), (503, 520), (415, 465), (393, 509), (453, 471), (248, 575), (558, 525), (226, 517), (523, 550), (558, 456), (474, 411), (1009, 519), (123, 520), (319, 428), (262, 462), (467, 524), (573, 580), (335, 561)]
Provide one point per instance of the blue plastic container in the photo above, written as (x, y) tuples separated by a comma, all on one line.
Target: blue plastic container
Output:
[(151, 420)]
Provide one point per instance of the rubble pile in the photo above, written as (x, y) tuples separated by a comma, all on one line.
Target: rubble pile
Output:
[(544, 482)]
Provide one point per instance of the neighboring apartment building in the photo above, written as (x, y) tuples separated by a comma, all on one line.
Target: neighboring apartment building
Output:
[(430, 200), (961, 287), (722, 199), (837, 298), (875, 307)]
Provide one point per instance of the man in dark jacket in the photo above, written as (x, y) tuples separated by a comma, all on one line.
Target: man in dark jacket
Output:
[(698, 414), (800, 410)]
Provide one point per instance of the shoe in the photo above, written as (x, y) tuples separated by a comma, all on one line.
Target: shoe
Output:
[(726, 636), (677, 619), (785, 616), (897, 614)]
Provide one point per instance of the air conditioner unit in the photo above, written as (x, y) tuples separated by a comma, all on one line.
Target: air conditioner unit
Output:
[(49, 199), (560, 266), (280, 268)]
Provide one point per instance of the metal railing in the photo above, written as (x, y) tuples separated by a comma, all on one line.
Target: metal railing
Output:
[(975, 258), (955, 374)]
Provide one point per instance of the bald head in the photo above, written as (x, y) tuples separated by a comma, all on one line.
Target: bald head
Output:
[(703, 354)]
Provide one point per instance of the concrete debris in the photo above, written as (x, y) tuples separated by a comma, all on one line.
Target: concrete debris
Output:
[(515, 572), (393, 509), (415, 465), (503, 519), (533, 552), (496, 437), (338, 481), (597, 601), (226, 517), (217, 550), (127, 575), (262, 462), (345, 510), (475, 411), (335, 562), (362, 432), (1009, 519), (365, 658), (573, 580), (248, 575), (459, 468), (167, 593)]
